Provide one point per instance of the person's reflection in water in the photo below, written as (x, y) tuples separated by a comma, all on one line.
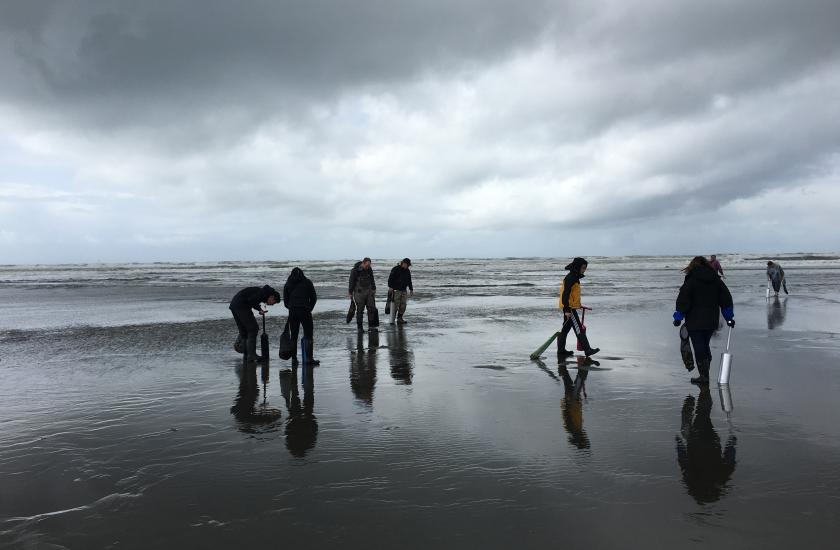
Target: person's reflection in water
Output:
[(302, 425), (401, 356), (363, 367), (706, 468), (250, 417), (572, 405), (776, 311)]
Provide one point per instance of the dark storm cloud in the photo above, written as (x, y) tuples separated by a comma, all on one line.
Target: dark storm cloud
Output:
[(477, 116), (111, 63)]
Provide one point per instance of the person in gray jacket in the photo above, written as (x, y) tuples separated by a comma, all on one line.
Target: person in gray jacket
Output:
[(362, 290), (776, 276)]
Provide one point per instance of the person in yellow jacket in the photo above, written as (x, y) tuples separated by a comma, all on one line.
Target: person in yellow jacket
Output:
[(570, 303)]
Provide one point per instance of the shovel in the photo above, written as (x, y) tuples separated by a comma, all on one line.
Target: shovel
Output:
[(725, 362), (264, 342)]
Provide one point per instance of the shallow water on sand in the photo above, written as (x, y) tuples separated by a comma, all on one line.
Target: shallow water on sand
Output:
[(127, 421)]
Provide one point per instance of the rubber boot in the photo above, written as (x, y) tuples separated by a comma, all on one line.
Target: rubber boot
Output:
[(591, 351), (307, 349), (294, 359), (703, 371), (251, 350)]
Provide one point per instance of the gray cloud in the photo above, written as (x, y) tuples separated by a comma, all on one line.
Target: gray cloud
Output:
[(180, 126)]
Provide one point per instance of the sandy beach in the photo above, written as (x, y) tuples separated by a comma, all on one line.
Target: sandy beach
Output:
[(138, 426)]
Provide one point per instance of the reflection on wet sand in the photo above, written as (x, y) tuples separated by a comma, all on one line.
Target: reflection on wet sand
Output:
[(250, 417), (302, 425), (572, 405), (363, 367), (706, 467), (776, 311), (400, 355)]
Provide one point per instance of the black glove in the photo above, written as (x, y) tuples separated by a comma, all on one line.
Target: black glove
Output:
[(731, 322), (677, 323)]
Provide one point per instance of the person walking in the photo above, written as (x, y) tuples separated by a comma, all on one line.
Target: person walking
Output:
[(240, 306), (776, 276), (701, 296), (300, 298), (362, 289), (713, 261), (570, 303), (398, 281)]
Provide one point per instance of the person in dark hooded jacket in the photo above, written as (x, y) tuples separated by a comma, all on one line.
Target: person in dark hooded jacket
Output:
[(241, 305), (299, 297), (570, 303), (702, 295)]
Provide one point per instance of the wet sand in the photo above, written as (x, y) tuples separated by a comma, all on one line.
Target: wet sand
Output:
[(440, 433)]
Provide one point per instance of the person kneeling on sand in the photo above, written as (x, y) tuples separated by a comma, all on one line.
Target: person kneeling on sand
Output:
[(241, 305), (701, 296), (570, 303), (398, 281)]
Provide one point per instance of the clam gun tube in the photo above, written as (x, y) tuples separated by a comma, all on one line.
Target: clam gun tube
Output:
[(725, 398), (264, 341), (725, 362), (767, 294)]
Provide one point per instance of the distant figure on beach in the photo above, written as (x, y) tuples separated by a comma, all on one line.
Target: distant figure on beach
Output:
[(570, 303), (713, 261), (701, 296), (241, 305), (300, 298), (776, 276), (362, 291), (398, 282), (705, 463)]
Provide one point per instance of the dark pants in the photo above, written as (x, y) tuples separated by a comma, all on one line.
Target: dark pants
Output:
[(700, 342), (245, 321), (300, 316), (572, 323)]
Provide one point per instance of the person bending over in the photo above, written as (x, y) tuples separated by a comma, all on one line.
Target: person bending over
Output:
[(241, 305)]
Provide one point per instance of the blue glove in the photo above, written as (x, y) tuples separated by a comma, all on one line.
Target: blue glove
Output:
[(728, 314), (730, 322), (678, 317)]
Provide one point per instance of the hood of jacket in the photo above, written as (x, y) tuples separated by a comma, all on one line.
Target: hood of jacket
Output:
[(702, 274)]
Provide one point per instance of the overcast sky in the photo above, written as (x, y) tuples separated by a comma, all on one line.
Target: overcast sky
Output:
[(204, 130)]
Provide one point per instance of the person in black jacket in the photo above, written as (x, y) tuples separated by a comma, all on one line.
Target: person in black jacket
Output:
[(241, 305), (701, 296), (362, 290), (398, 281), (299, 297)]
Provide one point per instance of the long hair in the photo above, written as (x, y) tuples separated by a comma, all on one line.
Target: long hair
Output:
[(696, 262)]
